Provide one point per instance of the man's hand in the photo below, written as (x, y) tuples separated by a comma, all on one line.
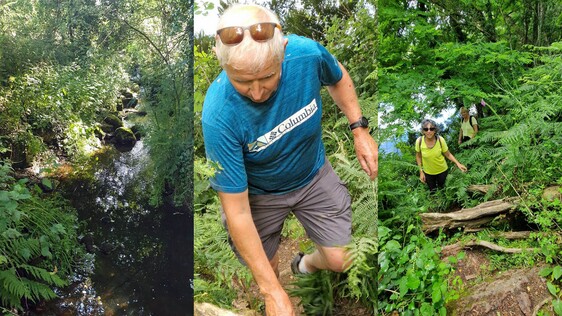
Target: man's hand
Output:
[(278, 304), (367, 152), (245, 236)]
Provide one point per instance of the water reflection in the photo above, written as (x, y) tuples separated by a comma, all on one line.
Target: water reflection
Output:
[(143, 255)]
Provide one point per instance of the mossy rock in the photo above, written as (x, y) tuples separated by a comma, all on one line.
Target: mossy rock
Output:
[(129, 103), (113, 120), (124, 136), (106, 128), (552, 193), (139, 132)]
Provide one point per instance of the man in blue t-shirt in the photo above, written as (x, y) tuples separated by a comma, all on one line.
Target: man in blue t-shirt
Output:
[(262, 126)]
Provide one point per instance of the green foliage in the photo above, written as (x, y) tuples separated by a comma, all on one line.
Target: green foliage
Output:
[(554, 281), (59, 105), (163, 53), (215, 265), (515, 152), (363, 270), (412, 278), (38, 243), (316, 292), (218, 273)]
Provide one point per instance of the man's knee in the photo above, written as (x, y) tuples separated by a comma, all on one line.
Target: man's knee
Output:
[(336, 260)]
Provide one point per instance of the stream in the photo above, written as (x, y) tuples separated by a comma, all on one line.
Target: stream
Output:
[(141, 259)]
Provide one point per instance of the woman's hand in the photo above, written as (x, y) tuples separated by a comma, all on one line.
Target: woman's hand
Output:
[(462, 167), (422, 177)]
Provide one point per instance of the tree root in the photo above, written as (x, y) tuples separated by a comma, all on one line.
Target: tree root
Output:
[(540, 305), (454, 248)]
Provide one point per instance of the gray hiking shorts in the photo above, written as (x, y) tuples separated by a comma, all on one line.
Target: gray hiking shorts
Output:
[(323, 207)]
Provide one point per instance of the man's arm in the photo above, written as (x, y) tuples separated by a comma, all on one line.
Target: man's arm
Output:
[(245, 236), (366, 149)]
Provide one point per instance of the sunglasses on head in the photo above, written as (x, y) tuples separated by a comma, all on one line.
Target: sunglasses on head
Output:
[(429, 129), (260, 32)]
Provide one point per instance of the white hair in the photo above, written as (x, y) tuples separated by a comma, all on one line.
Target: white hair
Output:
[(250, 52)]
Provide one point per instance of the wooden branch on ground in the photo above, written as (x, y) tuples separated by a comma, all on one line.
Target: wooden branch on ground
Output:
[(469, 218), (479, 188), (456, 247)]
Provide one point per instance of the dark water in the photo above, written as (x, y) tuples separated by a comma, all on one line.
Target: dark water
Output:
[(142, 256)]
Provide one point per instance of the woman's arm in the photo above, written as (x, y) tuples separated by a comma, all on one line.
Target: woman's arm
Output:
[(419, 162), (455, 161)]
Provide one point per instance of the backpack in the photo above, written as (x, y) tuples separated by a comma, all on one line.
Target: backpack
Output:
[(420, 139)]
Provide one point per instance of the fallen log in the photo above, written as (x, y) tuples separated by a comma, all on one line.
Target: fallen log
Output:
[(469, 218)]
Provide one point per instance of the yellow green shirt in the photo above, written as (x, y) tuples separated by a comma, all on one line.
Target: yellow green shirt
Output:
[(433, 161), (468, 130)]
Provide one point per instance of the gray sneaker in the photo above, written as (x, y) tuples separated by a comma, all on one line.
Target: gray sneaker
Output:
[(295, 263)]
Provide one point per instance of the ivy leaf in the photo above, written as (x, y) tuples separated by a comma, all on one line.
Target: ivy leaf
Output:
[(26, 253), (545, 272), (47, 183), (403, 283), (557, 305), (392, 245), (436, 295), (11, 233), (4, 196), (557, 272), (58, 229), (16, 216), (551, 288), (10, 205), (46, 252), (426, 309), (413, 281)]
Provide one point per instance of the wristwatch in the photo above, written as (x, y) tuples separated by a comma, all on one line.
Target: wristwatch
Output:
[(363, 122)]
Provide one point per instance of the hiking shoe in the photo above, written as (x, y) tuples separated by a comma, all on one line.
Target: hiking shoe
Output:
[(295, 263)]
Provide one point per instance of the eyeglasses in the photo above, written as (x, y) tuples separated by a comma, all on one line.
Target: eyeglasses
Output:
[(260, 32), (429, 129)]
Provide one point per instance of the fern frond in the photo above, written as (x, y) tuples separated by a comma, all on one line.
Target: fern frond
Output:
[(43, 275), (38, 291), (362, 273), (12, 287)]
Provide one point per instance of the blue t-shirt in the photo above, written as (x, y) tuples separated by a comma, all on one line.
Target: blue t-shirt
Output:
[(273, 147)]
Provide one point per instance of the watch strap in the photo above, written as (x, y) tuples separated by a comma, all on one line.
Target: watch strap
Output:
[(363, 122)]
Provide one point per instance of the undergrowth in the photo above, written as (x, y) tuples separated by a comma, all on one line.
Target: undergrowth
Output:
[(38, 244)]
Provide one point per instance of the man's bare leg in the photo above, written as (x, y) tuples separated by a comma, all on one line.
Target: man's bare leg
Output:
[(326, 258)]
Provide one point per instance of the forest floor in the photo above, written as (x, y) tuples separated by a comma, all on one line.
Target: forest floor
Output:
[(484, 291), (515, 292), (287, 251)]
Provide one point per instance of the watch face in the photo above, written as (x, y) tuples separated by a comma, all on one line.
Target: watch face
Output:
[(364, 122)]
